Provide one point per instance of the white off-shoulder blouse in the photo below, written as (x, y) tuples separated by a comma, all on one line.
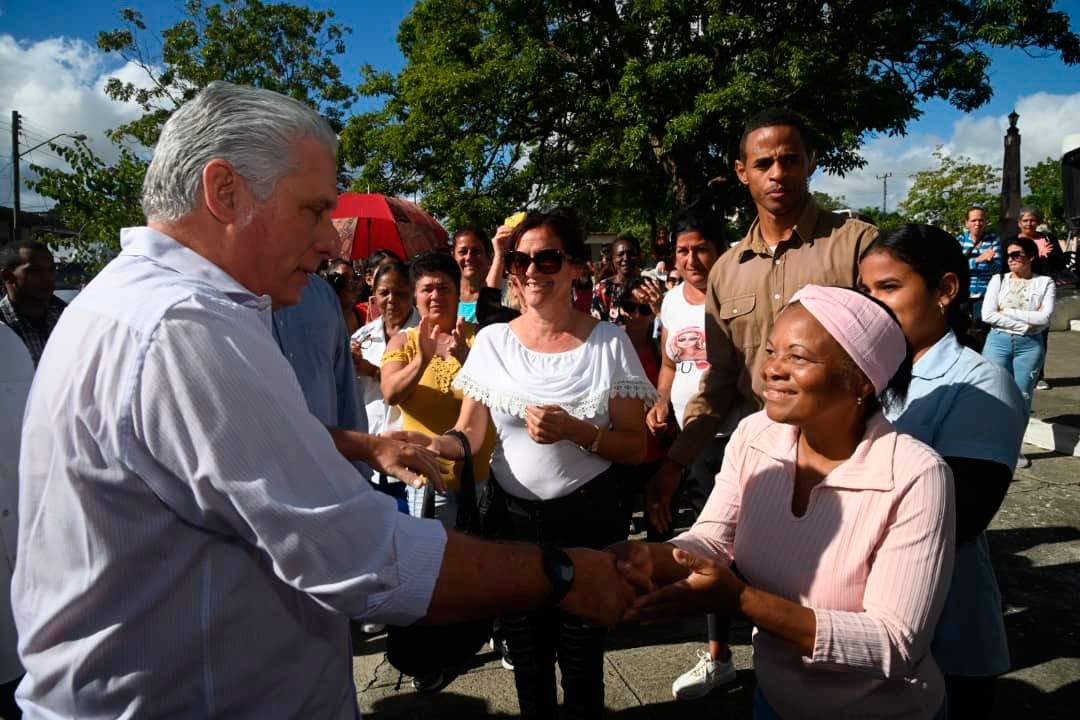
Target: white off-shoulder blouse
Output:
[(507, 377)]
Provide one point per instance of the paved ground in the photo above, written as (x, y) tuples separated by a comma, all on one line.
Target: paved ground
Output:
[(1035, 539), (1060, 406)]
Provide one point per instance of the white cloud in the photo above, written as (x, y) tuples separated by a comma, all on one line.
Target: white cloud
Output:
[(57, 85), (1045, 119)]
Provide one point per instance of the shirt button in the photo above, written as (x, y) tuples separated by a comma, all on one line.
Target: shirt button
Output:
[(776, 296), (5, 513), (776, 262)]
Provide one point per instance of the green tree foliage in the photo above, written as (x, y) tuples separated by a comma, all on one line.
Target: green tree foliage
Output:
[(95, 200), (886, 221), (826, 201), (640, 103), (1047, 193), (941, 196), (277, 46)]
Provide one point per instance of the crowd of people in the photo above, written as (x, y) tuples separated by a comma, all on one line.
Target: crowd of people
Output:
[(231, 463)]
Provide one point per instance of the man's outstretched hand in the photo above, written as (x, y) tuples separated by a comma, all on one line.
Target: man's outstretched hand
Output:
[(710, 587), (411, 463), (603, 588)]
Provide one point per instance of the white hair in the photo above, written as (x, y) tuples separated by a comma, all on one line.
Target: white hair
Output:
[(255, 130)]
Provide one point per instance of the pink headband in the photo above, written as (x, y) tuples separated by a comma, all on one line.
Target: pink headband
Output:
[(865, 331)]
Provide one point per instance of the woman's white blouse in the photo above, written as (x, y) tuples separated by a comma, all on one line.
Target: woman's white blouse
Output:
[(507, 377), (372, 339), (1037, 300)]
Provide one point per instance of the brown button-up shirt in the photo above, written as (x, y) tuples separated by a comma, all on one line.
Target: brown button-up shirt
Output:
[(748, 287)]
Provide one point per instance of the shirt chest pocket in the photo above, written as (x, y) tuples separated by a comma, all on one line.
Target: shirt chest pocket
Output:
[(737, 312)]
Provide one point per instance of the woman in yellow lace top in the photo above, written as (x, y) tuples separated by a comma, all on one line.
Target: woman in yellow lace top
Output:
[(422, 362)]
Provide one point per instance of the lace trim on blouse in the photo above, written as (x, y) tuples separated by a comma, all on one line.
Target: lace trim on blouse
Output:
[(515, 404)]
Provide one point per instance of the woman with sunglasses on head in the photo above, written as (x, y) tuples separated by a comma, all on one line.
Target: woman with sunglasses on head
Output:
[(1051, 261), (841, 526), (343, 279), (1017, 307), (971, 413), (567, 395)]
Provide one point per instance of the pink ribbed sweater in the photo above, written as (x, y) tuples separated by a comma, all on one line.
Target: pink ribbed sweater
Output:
[(872, 556)]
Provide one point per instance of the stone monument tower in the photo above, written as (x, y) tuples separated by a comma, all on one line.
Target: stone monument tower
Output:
[(1010, 180)]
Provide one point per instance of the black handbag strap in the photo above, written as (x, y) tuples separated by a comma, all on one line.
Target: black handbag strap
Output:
[(468, 514)]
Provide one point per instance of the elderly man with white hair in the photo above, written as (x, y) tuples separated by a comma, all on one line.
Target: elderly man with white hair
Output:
[(191, 541)]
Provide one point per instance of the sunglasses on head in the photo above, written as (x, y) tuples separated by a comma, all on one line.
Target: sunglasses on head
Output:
[(548, 261), (639, 308), (1017, 255)]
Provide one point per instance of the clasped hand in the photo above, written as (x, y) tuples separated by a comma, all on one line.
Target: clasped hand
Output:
[(547, 424), (618, 585), (707, 587)]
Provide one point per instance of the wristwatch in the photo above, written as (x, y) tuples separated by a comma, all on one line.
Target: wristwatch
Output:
[(559, 569)]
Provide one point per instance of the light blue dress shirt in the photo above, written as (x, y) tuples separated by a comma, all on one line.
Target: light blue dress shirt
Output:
[(191, 544), (313, 338), (962, 405)]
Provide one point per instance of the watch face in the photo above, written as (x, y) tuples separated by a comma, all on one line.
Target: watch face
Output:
[(565, 572)]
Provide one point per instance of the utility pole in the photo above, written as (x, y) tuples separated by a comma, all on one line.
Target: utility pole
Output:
[(15, 155), (884, 191), (15, 173)]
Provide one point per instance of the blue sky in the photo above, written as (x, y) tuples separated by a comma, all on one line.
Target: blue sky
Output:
[(43, 33)]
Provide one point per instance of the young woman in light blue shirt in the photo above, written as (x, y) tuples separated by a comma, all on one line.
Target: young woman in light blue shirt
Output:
[(971, 412)]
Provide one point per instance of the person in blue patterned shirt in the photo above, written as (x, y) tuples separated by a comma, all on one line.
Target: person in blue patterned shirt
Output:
[(983, 254)]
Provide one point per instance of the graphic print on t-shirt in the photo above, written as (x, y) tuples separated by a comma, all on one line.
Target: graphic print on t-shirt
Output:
[(686, 346)]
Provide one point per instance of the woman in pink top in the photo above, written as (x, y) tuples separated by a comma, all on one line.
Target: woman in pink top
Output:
[(842, 528)]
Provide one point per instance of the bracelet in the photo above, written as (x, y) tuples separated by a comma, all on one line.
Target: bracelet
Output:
[(595, 444)]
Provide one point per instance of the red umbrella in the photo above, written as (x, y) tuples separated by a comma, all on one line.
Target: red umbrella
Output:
[(370, 222)]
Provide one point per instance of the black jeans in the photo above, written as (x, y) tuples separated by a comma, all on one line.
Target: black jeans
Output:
[(694, 490), (589, 517)]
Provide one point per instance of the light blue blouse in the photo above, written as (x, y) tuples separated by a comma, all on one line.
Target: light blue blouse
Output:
[(964, 406)]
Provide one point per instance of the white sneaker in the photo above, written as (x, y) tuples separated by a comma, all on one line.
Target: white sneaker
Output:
[(703, 678), (1022, 461), (372, 628)]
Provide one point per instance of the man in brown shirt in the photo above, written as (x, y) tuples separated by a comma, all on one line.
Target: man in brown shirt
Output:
[(792, 243)]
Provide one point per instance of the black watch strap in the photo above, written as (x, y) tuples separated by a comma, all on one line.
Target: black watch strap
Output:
[(559, 569)]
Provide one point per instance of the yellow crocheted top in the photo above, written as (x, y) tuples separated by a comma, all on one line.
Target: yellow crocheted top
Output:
[(433, 406)]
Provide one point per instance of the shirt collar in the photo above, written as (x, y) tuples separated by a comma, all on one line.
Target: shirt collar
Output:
[(167, 252), (870, 467), (412, 321), (802, 232), (939, 359)]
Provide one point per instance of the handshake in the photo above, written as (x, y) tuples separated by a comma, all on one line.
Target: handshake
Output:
[(634, 581)]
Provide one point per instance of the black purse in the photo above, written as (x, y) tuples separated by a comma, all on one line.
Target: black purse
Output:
[(426, 650)]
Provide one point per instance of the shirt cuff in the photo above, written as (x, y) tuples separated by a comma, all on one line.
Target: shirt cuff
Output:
[(702, 548), (420, 546), (849, 640)]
